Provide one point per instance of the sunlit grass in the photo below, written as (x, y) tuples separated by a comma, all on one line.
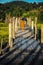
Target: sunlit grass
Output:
[(4, 31)]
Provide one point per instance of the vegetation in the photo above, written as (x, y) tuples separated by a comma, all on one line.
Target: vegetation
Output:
[(18, 8), (3, 32)]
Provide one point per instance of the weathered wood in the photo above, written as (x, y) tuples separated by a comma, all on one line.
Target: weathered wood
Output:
[(16, 27), (29, 21), (13, 22), (1, 45), (10, 33), (32, 26), (35, 26), (19, 23), (42, 33)]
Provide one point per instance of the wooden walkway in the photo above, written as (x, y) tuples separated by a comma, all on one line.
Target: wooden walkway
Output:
[(26, 50)]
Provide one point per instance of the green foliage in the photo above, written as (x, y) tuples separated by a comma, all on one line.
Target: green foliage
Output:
[(17, 8), (4, 32), (40, 17), (38, 25), (24, 14)]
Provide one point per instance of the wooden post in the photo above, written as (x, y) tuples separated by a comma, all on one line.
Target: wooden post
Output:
[(2, 40), (28, 21), (13, 27), (19, 22), (42, 33), (16, 28), (35, 27), (32, 26), (10, 33)]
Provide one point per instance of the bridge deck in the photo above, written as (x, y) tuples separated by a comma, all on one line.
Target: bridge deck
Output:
[(26, 50)]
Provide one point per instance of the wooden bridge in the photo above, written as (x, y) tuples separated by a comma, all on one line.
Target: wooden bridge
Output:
[(26, 49)]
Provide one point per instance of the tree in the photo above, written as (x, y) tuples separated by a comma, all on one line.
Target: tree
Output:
[(40, 16)]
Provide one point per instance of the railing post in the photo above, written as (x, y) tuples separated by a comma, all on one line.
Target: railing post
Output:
[(10, 33), (27, 21), (16, 27), (13, 22), (19, 23), (42, 33), (1, 45), (35, 27), (32, 26)]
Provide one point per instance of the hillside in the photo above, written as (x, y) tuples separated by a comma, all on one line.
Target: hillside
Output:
[(17, 8)]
